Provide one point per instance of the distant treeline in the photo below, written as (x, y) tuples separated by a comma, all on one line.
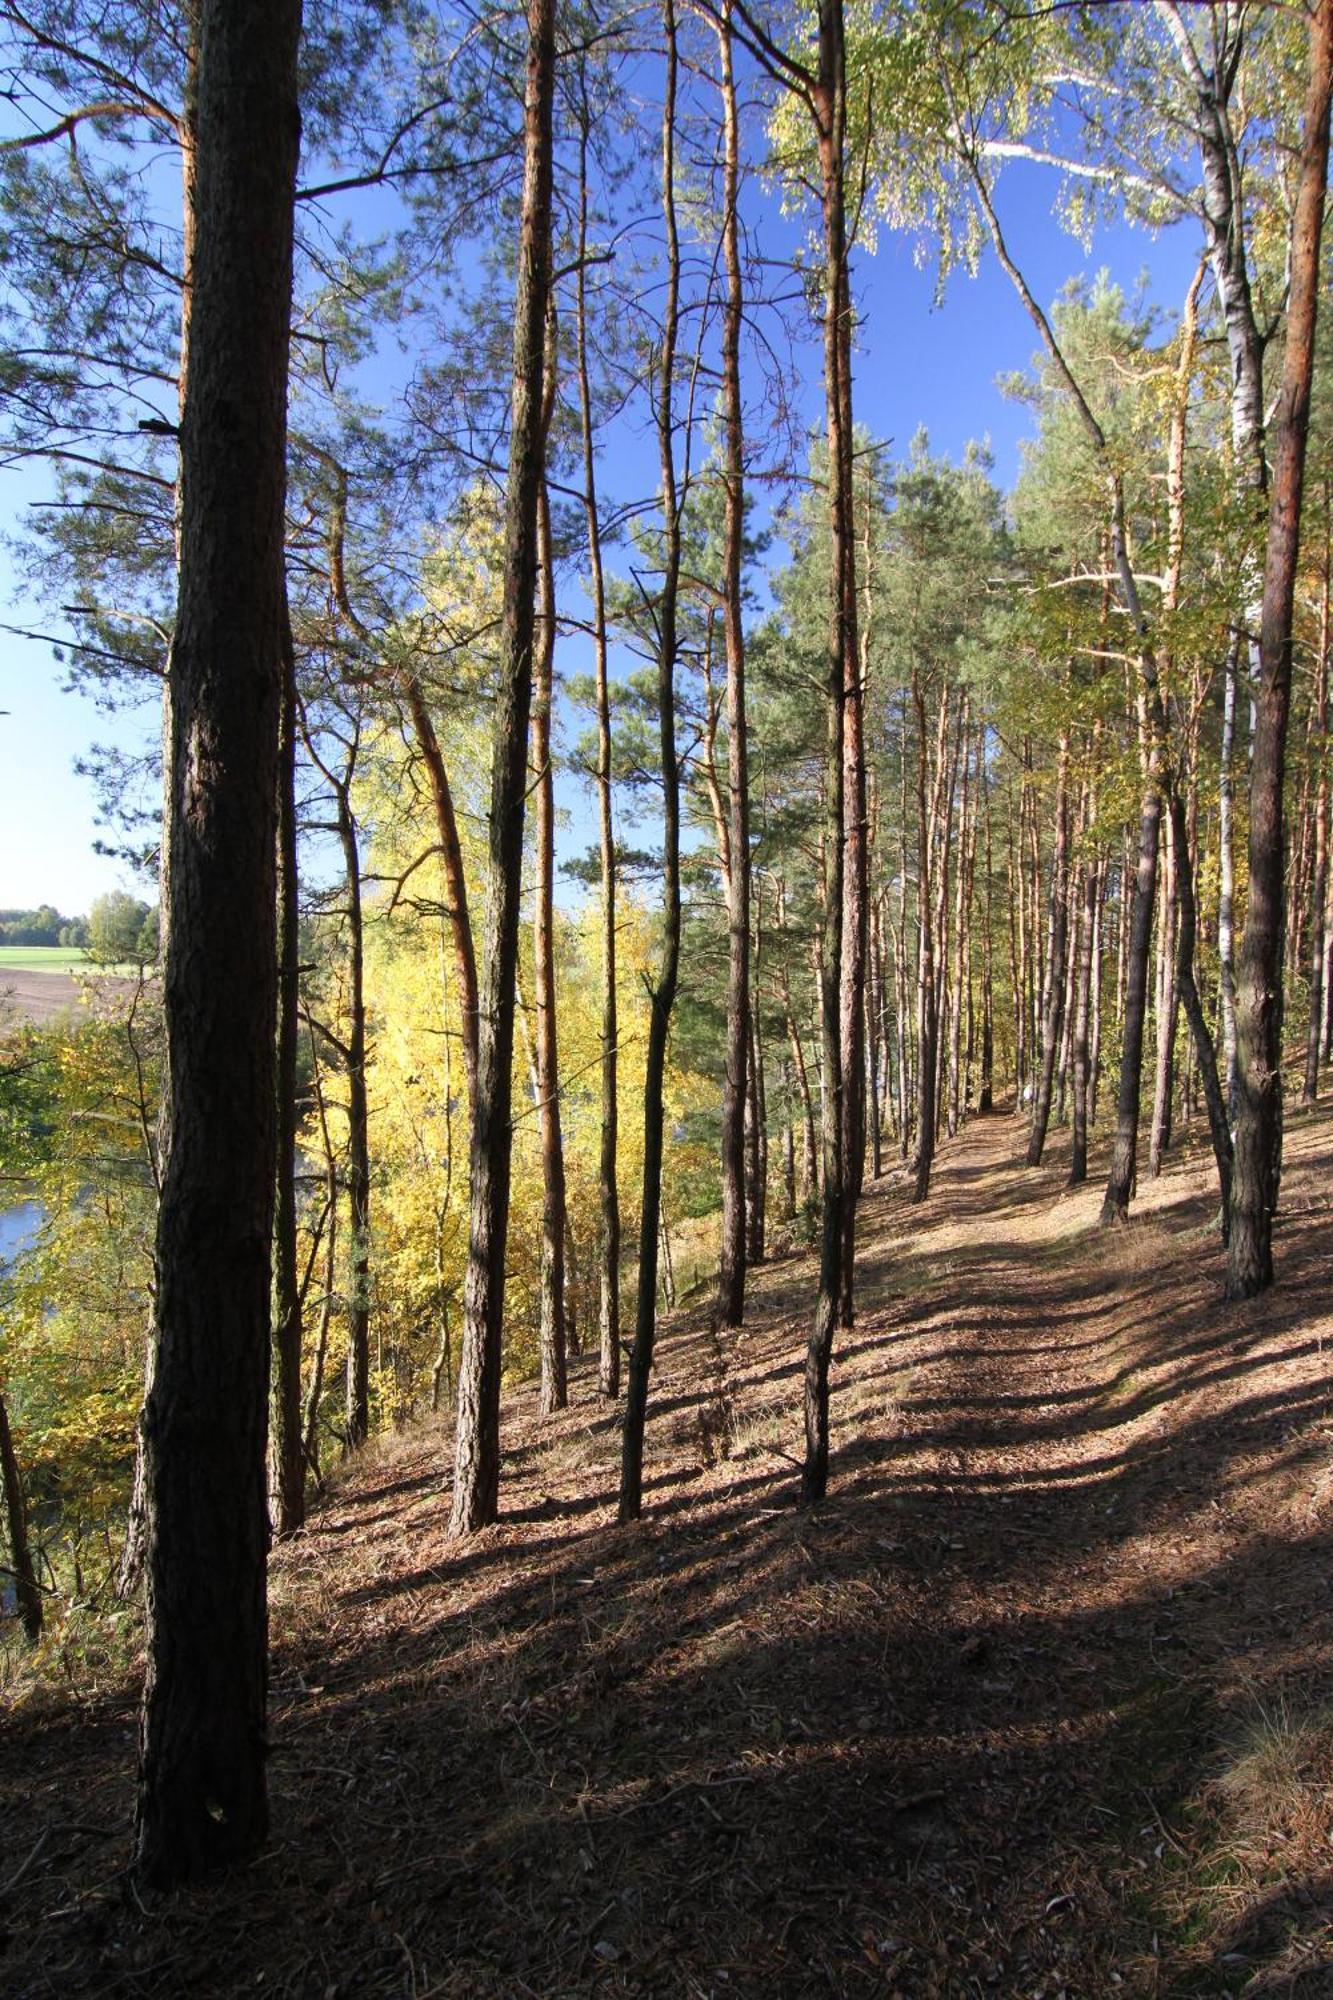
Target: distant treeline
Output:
[(118, 927), (42, 926)]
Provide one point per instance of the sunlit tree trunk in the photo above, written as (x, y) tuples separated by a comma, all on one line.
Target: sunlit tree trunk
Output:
[(737, 1087), (287, 1459), (1168, 1000), (1259, 971), (1319, 889), (927, 1002), (554, 1393), (663, 993), (353, 1050), (1054, 997), (455, 880), (829, 108), (477, 1459), (986, 1074), (608, 1263), (1186, 986)]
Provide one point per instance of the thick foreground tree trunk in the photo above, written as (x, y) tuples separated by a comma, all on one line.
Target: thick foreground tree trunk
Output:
[(477, 1459), (1259, 969), (202, 1798)]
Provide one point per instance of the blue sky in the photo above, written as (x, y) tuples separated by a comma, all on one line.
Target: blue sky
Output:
[(919, 364)]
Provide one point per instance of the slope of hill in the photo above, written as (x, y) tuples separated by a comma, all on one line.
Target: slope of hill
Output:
[(1034, 1705)]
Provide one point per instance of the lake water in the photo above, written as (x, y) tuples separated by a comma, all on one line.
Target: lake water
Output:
[(18, 1226)]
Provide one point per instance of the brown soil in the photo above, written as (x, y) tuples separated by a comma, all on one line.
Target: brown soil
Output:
[(50, 996), (37, 996), (979, 1726)]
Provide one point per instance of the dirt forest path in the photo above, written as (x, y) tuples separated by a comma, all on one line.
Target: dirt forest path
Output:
[(1034, 1705)]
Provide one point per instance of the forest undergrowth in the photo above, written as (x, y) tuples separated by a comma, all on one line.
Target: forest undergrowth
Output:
[(1036, 1704)]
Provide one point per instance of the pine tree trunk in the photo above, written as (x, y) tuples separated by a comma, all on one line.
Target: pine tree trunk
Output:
[(455, 880), (1319, 893), (927, 1028), (1188, 990), (1095, 1051), (959, 947), (876, 1042), (1054, 997), (554, 1391), (310, 1438), (1081, 1047), (809, 1157), (986, 1077), (201, 1796), (1137, 953), (829, 109), (1152, 731), (1226, 874), (287, 1459), (1258, 1140), (663, 993), (608, 1261), (856, 860), (1326, 1010), (477, 1460), (756, 1183), (26, 1587), (357, 1419), (1017, 954), (788, 1147), (668, 1262), (573, 1293), (737, 1085), (1168, 1001)]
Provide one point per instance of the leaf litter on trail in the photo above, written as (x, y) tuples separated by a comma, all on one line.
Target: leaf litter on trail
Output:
[(908, 1743)]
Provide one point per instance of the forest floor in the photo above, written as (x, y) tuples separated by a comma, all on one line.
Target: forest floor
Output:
[(1038, 1703)]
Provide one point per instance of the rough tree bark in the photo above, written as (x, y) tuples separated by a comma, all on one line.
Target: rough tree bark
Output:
[(554, 1392), (663, 993), (1258, 1140), (287, 1458), (455, 880), (736, 1091), (608, 1362), (201, 1793), (829, 107), (1319, 888), (353, 1052), (477, 1458)]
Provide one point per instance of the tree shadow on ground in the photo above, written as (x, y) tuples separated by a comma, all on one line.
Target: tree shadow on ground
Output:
[(955, 1733)]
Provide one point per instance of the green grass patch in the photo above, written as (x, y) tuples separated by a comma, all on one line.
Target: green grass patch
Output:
[(43, 958), (59, 958)]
